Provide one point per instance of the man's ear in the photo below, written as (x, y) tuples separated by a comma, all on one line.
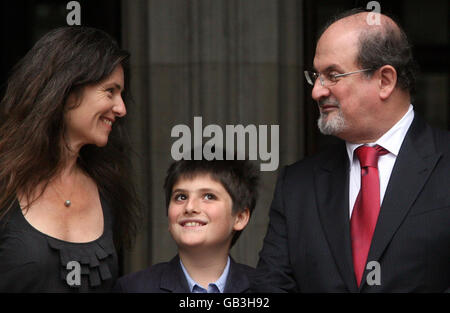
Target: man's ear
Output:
[(241, 220), (387, 81)]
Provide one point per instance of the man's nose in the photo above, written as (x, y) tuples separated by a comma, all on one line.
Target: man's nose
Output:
[(319, 91)]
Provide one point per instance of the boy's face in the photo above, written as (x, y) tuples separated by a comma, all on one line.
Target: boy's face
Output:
[(200, 214)]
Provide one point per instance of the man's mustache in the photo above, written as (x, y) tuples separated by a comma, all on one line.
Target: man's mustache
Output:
[(333, 102)]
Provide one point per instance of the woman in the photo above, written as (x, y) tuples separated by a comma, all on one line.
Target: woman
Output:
[(66, 201)]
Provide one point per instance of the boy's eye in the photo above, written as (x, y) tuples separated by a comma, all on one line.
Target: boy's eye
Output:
[(210, 196), (180, 197)]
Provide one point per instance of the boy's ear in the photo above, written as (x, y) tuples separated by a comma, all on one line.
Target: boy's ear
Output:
[(241, 220)]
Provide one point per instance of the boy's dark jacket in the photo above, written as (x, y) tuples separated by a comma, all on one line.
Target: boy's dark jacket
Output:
[(169, 277)]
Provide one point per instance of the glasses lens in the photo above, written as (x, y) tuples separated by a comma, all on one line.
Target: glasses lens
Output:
[(310, 77)]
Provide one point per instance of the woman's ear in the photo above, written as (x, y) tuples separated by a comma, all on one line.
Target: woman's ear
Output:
[(241, 219), (387, 81)]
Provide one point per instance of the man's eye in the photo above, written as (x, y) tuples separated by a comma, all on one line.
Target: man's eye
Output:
[(331, 76)]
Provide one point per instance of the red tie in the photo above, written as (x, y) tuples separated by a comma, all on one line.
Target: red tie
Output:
[(367, 207)]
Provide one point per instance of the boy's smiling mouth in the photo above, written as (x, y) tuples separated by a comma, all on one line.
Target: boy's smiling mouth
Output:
[(192, 223)]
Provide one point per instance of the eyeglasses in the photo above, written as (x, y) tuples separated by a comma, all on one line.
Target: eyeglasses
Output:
[(328, 79)]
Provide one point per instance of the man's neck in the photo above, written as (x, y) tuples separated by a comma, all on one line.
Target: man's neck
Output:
[(384, 124)]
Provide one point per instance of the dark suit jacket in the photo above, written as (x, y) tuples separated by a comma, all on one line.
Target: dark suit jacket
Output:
[(169, 277), (307, 246)]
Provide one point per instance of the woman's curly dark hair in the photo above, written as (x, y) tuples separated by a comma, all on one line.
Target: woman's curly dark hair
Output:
[(32, 123)]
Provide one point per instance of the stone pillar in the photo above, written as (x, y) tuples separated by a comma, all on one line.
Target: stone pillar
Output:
[(228, 61)]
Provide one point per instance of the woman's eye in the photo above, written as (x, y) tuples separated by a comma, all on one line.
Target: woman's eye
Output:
[(110, 91)]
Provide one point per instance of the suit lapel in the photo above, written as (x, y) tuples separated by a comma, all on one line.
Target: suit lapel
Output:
[(237, 280), (331, 182), (173, 279), (414, 164)]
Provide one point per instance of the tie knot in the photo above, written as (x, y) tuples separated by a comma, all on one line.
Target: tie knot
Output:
[(368, 156)]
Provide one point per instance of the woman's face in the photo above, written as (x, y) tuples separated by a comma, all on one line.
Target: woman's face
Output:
[(92, 120)]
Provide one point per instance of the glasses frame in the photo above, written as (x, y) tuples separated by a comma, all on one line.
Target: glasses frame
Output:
[(322, 80)]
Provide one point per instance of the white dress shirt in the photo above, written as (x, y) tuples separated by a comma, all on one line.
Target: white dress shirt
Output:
[(391, 141)]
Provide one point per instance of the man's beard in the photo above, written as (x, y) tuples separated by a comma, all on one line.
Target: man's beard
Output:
[(331, 125)]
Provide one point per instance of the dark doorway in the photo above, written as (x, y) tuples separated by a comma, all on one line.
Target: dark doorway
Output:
[(23, 22)]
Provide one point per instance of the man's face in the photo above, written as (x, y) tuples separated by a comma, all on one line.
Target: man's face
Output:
[(345, 107)]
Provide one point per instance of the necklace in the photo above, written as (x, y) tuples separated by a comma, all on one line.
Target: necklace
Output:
[(67, 202)]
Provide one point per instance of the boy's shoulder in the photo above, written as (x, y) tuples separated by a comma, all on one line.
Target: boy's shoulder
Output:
[(168, 277), (239, 277), (243, 267), (160, 277)]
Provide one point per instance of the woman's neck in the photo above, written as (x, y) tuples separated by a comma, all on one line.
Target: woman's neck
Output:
[(68, 176), (68, 163)]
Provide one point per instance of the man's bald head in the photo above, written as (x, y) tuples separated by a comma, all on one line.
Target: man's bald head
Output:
[(377, 44), (363, 21)]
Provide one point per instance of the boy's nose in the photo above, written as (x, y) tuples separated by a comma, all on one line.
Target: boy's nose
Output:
[(191, 206)]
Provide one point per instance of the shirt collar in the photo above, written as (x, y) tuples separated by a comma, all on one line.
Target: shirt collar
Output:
[(392, 139), (220, 283)]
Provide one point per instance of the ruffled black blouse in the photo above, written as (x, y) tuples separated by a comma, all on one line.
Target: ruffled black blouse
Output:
[(31, 261)]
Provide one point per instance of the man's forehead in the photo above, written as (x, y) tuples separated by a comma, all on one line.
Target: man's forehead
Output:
[(336, 49), (346, 31), (328, 68)]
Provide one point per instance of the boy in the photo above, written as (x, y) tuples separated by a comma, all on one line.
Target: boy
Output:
[(209, 204)]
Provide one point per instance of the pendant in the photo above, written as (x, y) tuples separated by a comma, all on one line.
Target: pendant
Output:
[(67, 203)]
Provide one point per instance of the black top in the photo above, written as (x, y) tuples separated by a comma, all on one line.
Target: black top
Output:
[(31, 261)]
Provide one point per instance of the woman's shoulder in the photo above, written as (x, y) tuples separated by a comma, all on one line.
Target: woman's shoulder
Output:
[(18, 261), (12, 224)]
